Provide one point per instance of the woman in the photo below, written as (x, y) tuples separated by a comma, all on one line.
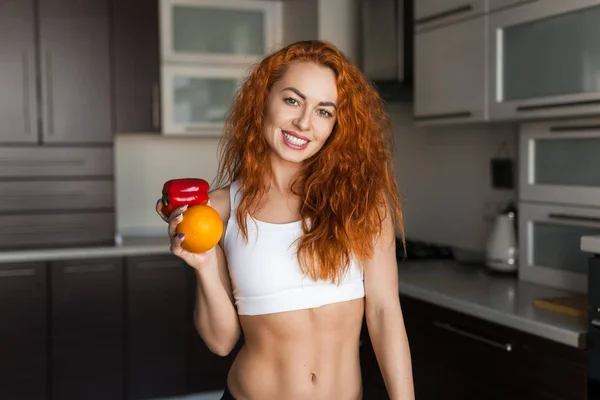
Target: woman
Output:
[(309, 241)]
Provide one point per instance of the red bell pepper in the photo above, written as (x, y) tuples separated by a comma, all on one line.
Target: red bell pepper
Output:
[(178, 192)]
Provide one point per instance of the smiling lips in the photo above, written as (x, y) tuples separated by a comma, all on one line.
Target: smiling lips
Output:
[(295, 141)]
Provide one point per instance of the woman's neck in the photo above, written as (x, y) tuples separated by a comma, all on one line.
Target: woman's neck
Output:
[(282, 175)]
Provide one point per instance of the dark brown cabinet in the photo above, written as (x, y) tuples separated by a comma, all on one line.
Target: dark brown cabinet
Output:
[(156, 327), (456, 356), (136, 65), (18, 107), (75, 71), (23, 331), (87, 329)]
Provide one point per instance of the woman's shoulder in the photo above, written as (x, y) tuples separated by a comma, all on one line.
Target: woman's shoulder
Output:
[(219, 200)]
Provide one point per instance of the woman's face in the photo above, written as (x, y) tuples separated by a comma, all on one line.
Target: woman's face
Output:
[(301, 111)]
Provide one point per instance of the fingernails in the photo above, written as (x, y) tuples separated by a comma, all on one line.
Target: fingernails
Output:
[(158, 201), (181, 235), (184, 207)]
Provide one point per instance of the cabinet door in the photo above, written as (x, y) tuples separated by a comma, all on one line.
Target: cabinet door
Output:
[(23, 331), (450, 82), (75, 71), (17, 72), (156, 333), (87, 330), (136, 65), (429, 13), (499, 4)]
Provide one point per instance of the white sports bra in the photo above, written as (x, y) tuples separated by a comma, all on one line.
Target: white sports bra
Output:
[(265, 274)]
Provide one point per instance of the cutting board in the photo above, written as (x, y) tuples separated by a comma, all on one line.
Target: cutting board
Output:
[(575, 306)]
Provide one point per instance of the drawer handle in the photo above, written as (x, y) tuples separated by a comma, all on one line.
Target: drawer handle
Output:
[(574, 128), (41, 163), (26, 92), (447, 327), (17, 272), (570, 217), (444, 14), (430, 117), (535, 107), (89, 268), (596, 322)]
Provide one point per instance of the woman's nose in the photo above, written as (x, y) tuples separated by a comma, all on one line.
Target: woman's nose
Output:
[(302, 122)]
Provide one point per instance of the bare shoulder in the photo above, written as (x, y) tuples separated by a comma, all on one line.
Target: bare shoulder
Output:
[(219, 200)]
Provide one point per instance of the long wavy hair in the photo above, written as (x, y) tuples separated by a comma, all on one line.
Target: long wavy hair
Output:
[(347, 188)]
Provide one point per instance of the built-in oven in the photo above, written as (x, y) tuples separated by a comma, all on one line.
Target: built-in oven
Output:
[(594, 329)]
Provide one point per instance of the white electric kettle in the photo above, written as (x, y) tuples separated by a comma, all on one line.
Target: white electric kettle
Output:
[(501, 250)]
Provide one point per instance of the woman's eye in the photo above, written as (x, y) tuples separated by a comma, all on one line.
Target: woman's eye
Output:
[(291, 101), (325, 113)]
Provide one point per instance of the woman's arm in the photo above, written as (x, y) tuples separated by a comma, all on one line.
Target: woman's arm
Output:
[(384, 316), (215, 316)]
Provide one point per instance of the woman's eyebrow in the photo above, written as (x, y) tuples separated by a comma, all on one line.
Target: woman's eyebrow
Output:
[(303, 97)]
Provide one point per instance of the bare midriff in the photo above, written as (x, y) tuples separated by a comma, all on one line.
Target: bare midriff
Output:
[(310, 354)]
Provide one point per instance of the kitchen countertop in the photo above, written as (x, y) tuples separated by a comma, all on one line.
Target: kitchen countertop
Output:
[(590, 244), (125, 247), (464, 288), (471, 290)]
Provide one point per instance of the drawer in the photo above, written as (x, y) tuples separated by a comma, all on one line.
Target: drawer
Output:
[(42, 161), (42, 230), (55, 195)]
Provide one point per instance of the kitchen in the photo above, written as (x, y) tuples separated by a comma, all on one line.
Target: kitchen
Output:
[(103, 101)]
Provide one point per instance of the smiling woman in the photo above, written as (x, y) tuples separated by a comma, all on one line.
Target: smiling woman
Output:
[(310, 206)]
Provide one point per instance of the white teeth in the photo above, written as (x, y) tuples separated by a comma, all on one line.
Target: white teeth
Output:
[(295, 140)]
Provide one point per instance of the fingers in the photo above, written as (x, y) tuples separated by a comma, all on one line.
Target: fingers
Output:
[(174, 219), (159, 211)]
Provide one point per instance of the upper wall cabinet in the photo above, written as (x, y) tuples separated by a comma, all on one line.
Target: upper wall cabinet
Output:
[(499, 4), (430, 13), (18, 111), (74, 72), (216, 31), (450, 82), (545, 60)]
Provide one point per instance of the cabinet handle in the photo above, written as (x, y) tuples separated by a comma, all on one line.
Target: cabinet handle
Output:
[(79, 269), (155, 107), (574, 128), (26, 94), (157, 265), (570, 217), (447, 327), (17, 272), (49, 94), (444, 14), (596, 322), (535, 107), (431, 117)]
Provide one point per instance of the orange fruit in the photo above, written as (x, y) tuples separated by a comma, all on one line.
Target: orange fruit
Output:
[(202, 227)]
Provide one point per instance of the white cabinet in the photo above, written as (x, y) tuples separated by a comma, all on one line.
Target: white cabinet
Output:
[(206, 48), (559, 162), (545, 60), (430, 13), (217, 31), (196, 99), (450, 79)]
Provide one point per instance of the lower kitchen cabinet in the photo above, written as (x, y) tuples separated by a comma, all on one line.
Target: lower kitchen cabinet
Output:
[(156, 327), (23, 331), (87, 329), (456, 356)]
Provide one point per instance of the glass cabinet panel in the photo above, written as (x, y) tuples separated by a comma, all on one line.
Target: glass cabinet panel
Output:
[(567, 162), (218, 31), (557, 55)]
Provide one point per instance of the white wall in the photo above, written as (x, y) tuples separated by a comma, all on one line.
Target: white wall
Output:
[(143, 163), (445, 176)]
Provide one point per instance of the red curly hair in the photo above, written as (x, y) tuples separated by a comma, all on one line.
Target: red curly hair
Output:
[(347, 188)]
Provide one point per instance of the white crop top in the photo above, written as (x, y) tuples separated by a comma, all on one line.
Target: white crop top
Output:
[(265, 274)]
